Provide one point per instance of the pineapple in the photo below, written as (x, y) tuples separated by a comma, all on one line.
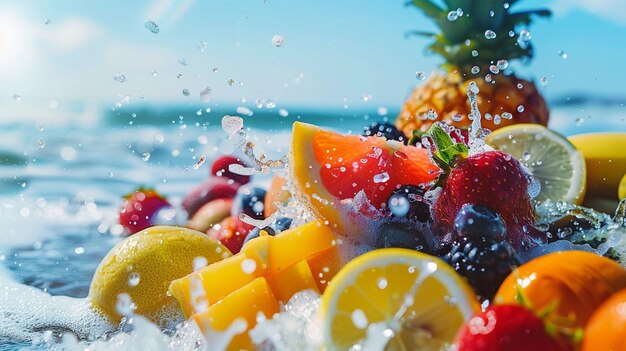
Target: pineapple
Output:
[(478, 39)]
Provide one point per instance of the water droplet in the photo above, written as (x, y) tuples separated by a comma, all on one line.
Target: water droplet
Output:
[(502, 64), (580, 121), (145, 156), (544, 81), (41, 142), (79, 250), (248, 266), (524, 38), (359, 319), (382, 111), (133, 279), (420, 75), (152, 26), (242, 110), (489, 34), (494, 69), (186, 92), (205, 94), (232, 124), (202, 46), (269, 104), (475, 70), (47, 21), (507, 115), (491, 13), (520, 108), (381, 177), (154, 73), (183, 62), (563, 54), (488, 78), (399, 205), (459, 12), (497, 119), (283, 113), (118, 77), (278, 40), (179, 75), (526, 156), (453, 16), (506, 5), (366, 97), (432, 115), (68, 153), (520, 85), (200, 162), (457, 117), (231, 82), (475, 53), (17, 97)]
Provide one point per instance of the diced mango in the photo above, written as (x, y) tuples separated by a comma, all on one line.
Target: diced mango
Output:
[(296, 278), (222, 278), (300, 243), (324, 266), (246, 303)]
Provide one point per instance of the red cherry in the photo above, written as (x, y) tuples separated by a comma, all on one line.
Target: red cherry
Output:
[(220, 168), (139, 209)]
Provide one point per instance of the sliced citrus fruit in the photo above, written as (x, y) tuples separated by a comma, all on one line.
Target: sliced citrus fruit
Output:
[(549, 156), (395, 299), (328, 167)]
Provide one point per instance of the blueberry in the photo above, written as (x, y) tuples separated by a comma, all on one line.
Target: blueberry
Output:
[(402, 235), (407, 202), (276, 227), (249, 200), (479, 221), (386, 130)]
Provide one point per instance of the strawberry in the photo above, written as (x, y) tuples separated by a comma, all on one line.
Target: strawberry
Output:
[(507, 327), (139, 209), (220, 168), (494, 179)]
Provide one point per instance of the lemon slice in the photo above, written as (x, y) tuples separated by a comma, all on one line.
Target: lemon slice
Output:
[(395, 299), (549, 156)]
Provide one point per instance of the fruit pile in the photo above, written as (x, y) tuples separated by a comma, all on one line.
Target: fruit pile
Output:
[(426, 233)]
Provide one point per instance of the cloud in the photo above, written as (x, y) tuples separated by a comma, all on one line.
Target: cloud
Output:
[(614, 10)]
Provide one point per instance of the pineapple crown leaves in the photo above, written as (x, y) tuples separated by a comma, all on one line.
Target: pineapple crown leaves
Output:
[(459, 38)]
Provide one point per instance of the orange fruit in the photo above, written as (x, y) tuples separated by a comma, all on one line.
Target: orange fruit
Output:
[(276, 193), (329, 167), (606, 329), (574, 283)]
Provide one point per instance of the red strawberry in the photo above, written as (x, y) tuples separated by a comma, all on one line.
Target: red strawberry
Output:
[(220, 168), (507, 327), (493, 179), (211, 189), (231, 232), (139, 209)]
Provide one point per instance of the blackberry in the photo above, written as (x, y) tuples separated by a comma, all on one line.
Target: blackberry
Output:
[(386, 130), (484, 262), (407, 201)]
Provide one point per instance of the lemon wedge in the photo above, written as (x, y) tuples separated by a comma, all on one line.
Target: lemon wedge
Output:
[(395, 299), (549, 156)]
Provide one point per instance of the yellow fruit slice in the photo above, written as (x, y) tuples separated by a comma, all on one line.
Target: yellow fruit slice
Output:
[(395, 299), (549, 156), (144, 265), (605, 155), (621, 190)]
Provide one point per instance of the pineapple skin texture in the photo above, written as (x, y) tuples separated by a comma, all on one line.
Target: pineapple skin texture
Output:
[(445, 93)]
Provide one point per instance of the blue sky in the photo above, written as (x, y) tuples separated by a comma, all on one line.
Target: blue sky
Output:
[(335, 51)]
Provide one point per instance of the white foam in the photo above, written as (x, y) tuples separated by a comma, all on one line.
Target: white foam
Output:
[(27, 313)]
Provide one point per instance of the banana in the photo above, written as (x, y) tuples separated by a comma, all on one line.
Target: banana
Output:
[(605, 157)]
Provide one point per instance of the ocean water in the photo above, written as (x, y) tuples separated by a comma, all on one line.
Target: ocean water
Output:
[(61, 181)]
